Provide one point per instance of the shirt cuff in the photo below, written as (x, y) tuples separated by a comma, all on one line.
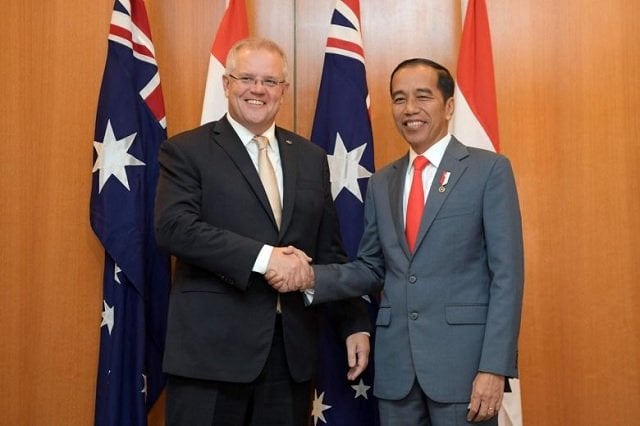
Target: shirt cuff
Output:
[(262, 261), (308, 296)]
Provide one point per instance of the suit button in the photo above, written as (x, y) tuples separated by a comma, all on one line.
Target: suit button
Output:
[(413, 279), (413, 315)]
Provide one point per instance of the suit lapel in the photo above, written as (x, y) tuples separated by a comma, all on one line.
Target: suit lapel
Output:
[(451, 162), (396, 190), (223, 135), (289, 164)]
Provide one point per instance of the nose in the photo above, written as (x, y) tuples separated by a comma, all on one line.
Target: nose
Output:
[(258, 85), (410, 106)]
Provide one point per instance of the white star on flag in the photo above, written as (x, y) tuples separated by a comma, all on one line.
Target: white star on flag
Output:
[(318, 408), (113, 157), (107, 317), (144, 386), (361, 389), (117, 269), (346, 169)]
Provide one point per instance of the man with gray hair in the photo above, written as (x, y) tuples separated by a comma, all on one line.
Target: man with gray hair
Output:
[(233, 196)]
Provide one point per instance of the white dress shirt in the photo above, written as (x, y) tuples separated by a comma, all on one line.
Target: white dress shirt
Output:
[(262, 261), (434, 154)]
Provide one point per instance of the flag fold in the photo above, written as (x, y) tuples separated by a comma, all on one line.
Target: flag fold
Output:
[(130, 125), (233, 28), (342, 126), (475, 123)]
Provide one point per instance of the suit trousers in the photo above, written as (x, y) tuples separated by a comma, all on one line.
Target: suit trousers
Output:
[(417, 409), (272, 399)]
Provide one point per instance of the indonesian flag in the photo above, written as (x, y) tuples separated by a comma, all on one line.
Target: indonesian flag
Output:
[(233, 27), (475, 122)]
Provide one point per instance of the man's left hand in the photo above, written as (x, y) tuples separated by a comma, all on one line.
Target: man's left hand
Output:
[(358, 348), (486, 397)]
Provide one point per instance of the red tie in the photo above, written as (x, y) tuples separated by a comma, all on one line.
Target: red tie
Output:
[(415, 205)]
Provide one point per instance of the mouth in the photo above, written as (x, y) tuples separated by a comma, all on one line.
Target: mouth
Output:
[(414, 124), (256, 102)]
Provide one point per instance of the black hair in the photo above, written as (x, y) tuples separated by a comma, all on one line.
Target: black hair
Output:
[(446, 85)]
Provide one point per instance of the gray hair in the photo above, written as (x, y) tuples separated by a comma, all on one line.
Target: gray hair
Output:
[(256, 43)]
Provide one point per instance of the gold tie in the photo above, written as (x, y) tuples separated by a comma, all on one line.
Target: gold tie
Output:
[(268, 177)]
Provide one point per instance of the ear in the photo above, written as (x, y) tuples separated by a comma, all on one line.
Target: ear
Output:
[(449, 107), (285, 87), (225, 85)]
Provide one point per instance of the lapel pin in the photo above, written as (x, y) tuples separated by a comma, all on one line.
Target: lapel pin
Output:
[(288, 142), (444, 179)]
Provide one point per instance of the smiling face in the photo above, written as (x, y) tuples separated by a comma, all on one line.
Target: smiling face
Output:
[(253, 104), (419, 109)]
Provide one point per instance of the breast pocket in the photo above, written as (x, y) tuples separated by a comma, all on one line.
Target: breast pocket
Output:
[(455, 213), (309, 201)]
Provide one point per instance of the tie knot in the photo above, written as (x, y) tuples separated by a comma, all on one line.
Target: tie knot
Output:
[(419, 163), (261, 141)]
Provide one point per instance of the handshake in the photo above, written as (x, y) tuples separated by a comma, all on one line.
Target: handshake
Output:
[(289, 269)]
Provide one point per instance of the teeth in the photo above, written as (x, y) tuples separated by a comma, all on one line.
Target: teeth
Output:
[(255, 102), (413, 123)]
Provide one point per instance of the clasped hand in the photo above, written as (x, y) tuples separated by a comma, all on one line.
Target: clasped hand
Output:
[(289, 269)]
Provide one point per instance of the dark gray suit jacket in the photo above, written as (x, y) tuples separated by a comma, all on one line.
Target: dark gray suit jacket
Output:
[(213, 215), (452, 308)]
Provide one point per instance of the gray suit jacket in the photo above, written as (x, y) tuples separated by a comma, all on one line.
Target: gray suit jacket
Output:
[(453, 307)]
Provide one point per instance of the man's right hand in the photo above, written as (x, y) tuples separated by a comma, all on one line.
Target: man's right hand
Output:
[(289, 270)]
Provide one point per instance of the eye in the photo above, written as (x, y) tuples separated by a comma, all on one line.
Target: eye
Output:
[(399, 100), (269, 82), (246, 80)]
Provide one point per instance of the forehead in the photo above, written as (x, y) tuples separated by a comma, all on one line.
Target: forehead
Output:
[(415, 77), (259, 61)]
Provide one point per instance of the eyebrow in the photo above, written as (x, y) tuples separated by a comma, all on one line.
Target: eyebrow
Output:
[(268, 77), (427, 91), (418, 90)]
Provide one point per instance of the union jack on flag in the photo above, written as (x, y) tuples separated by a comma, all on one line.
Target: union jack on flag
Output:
[(130, 125), (342, 126)]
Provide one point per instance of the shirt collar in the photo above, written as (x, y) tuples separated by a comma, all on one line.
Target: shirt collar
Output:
[(245, 135), (434, 153)]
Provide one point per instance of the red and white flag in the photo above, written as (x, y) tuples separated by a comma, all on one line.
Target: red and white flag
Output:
[(233, 27), (476, 123), (476, 117)]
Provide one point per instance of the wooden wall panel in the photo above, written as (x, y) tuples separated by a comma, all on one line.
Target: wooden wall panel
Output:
[(566, 76), (52, 63), (568, 97)]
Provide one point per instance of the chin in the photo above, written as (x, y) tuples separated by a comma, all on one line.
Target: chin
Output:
[(414, 140)]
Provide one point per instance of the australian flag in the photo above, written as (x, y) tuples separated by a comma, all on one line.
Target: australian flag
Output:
[(130, 125), (342, 126)]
